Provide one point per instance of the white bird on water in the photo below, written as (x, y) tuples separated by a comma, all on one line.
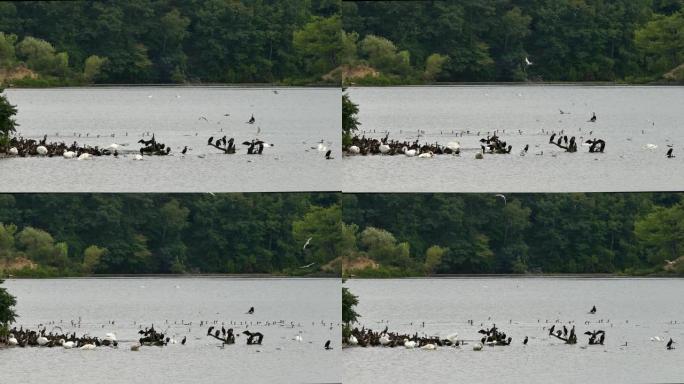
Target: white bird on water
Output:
[(42, 150), (528, 62), (13, 151)]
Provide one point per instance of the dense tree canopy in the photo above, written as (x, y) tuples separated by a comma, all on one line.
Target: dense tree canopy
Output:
[(482, 233), (163, 41), (157, 233), (488, 40)]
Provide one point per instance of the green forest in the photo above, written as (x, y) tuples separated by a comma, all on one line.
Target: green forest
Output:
[(83, 234), (425, 234), (45, 43), (388, 42)]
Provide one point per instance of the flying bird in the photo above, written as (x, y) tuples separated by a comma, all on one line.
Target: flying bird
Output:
[(528, 62), (308, 241), (501, 196)]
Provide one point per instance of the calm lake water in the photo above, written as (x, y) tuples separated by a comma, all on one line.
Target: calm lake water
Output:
[(629, 118), (135, 301), (293, 119), (632, 310)]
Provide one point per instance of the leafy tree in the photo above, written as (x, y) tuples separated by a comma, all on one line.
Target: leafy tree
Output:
[(93, 67), (349, 301), (661, 41), (662, 233), (433, 257), (318, 44), (350, 121), (7, 54), (7, 123), (323, 226), (91, 258), (7, 314), (433, 66)]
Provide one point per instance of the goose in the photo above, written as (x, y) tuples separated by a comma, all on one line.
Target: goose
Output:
[(409, 344), (42, 150), (409, 152), (42, 340), (69, 154), (384, 339), (354, 150), (429, 347), (426, 155), (85, 156), (477, 347), (384, 148), (13, 151), (12, 340), (88, 347)]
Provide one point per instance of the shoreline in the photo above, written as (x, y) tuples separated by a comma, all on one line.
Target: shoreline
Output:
[(176, 276), (522, 276)]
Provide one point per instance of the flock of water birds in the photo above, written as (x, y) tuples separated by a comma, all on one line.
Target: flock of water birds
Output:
[(491, 337), (149, 336), (29, 147), (490, 142)]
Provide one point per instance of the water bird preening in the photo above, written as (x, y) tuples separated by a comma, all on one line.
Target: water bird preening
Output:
[(251, 311)]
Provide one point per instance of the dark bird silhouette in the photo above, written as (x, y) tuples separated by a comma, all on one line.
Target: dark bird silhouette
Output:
[(593, 310), (251, 120), (185, 150), (327, 155), (210, 140), (327, 345), (251, 311), (669, 153), (525, 341), (593, 117), (669, 344), (184, 340)]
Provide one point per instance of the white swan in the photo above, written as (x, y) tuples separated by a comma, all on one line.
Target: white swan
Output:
[(87, 347), (453, 145), (69, 154), (67, 344), (353, 340), (453, 337), (477, 347), (426, 155), (42, 150), (110, 336), (85, 156), (429, 347), (137, 157), (42, 340), (409, 152), (384, 148), (384, 339), (409, 344), (13, 151), (354, 150), (12, 340), (651, 147), (322, 148), (115, 146)]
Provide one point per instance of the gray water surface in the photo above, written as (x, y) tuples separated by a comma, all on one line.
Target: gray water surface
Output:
[(630, 310), (629, 118), (310, 304), (293, 119)]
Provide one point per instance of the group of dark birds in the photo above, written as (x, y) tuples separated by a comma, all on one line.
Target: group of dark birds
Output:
[(370, 146), (254, 147), (42, 338), (151, 337), (22, 147), (152, 147)]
